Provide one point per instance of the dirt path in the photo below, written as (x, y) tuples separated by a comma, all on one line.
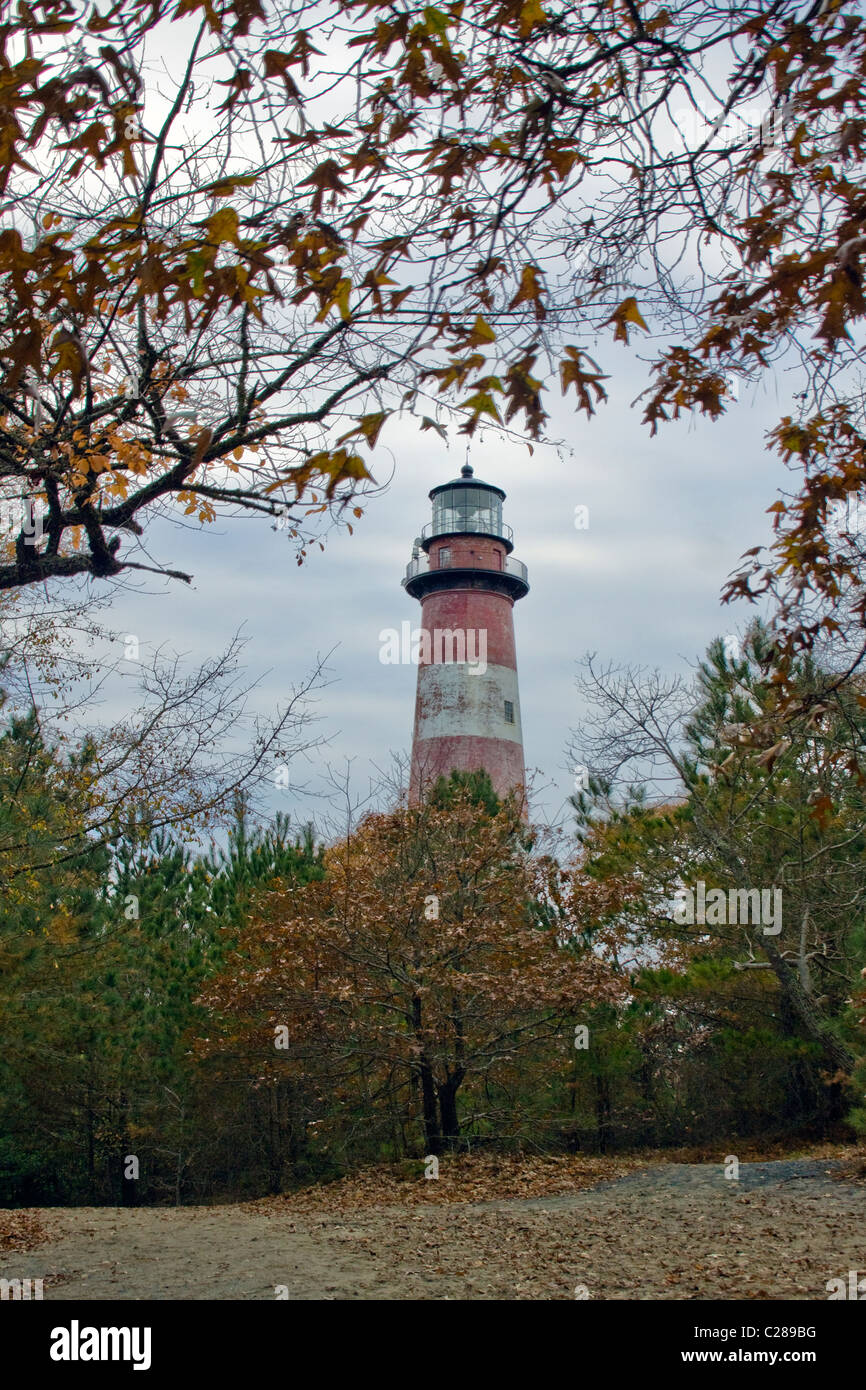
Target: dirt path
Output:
[(673, 1232)]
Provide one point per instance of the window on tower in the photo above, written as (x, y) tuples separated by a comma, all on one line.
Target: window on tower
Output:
[(444, 556), (509, 711)]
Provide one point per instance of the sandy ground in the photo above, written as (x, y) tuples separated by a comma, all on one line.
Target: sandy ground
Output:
[(678, 1231)]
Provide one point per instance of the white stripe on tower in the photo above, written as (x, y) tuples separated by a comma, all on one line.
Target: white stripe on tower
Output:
[(451, 699)]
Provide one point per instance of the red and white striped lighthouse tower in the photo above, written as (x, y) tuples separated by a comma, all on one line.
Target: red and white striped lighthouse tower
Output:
[(467, 710)]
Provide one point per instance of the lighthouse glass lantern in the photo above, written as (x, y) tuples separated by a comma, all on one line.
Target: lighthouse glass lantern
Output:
[(467, 506)]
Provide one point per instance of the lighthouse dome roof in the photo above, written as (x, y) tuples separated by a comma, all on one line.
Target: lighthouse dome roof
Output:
[(467, 479)]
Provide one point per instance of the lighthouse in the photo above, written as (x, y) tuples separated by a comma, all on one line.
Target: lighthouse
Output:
[(467, 709)]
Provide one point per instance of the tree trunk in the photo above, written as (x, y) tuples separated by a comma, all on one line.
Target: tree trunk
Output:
[(432, 1132), (801, 1100), (275, 1161), (602, 1113), (448, 1109), (128, 1186), (448, 1091), (91, 1156), (804, 1010), (648, 1096)]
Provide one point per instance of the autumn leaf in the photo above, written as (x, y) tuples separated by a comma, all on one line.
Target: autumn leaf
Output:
[(531, 14), (573, 373), (277, 65), (482, 403), (530, 290), (325, 178), (69, 357), (223, 188), (436, 20), (223, 226), (481, 333), (338, 299), (428, 424), (369, 426), (627, 312)]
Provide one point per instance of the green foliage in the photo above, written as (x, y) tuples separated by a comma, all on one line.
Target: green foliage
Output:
[(107, 957), (476, 785), (759, 805), (104, 956)]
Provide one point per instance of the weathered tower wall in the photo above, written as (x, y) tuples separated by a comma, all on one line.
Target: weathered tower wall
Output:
[(466, 716)]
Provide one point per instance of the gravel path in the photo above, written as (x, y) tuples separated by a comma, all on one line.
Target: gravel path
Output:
[(678, 1231)]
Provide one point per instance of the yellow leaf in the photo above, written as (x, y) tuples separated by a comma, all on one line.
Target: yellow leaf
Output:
[(627, 312), (224, 188), (483, 404), (369, 426), (531, 290), (633, 313), (223, 226), (481, 333), (530, 15), (340, 297)]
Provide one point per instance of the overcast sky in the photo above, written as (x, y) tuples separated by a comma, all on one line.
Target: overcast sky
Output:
[(668, 519)]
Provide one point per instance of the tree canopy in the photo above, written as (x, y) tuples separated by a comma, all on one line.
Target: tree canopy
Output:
[(235, 248)]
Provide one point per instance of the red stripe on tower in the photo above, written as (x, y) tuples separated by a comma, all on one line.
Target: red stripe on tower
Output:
[(467, 710)]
